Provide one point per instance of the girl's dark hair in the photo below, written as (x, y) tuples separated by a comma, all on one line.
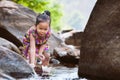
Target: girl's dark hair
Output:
[(45, 16)]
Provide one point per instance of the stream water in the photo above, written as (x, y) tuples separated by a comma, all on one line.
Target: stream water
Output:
[(60, 73)]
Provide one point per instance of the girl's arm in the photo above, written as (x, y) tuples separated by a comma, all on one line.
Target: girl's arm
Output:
[(32, 49), (41, 50)]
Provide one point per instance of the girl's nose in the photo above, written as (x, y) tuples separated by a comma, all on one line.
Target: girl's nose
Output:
[(42, 31)]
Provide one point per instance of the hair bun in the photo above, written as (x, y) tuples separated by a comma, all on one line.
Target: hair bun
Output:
[(47, 12)]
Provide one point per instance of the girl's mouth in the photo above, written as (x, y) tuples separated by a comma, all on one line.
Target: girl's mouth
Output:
[(41, 34)]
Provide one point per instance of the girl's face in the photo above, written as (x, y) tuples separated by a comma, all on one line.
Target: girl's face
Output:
[(42, 28)]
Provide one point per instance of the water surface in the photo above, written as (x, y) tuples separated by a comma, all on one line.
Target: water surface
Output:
[(60, 73)]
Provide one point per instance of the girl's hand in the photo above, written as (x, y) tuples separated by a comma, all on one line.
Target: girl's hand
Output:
[(41, 56)]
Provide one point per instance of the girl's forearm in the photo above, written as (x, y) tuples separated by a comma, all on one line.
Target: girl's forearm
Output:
[(32, 49), (32, 55), (41, 49)]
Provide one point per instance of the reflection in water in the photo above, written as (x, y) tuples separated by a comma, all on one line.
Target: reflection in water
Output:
[(60, 73)]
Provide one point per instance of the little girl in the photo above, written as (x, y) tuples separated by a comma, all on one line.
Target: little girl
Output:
[(35, 40)]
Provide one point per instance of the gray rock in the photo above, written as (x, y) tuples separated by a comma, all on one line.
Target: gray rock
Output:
[(4, 76), (13, 64), (15, 21), (67, 54), (9, 45)]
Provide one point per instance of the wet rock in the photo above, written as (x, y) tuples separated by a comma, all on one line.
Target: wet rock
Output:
[(100, 45), (38, 70), (4, 76), (13, 64)]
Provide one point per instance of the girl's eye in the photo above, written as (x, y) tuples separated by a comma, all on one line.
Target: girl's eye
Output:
[(40, 28), (45, 29)]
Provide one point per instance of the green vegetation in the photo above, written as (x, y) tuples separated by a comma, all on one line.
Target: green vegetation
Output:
[(40, 5)]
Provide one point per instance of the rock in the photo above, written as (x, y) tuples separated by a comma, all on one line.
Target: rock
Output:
[(54, 61), (67, 55), (54, 41), (4, 76), (13, 64), (71, 37), (65, 31), (9, 45), (100, 44), (38, 70), (15, 21)]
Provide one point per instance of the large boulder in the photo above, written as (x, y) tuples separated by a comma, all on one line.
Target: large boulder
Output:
[(13, 64), (9, 45), (100, 46), (15, 21)]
